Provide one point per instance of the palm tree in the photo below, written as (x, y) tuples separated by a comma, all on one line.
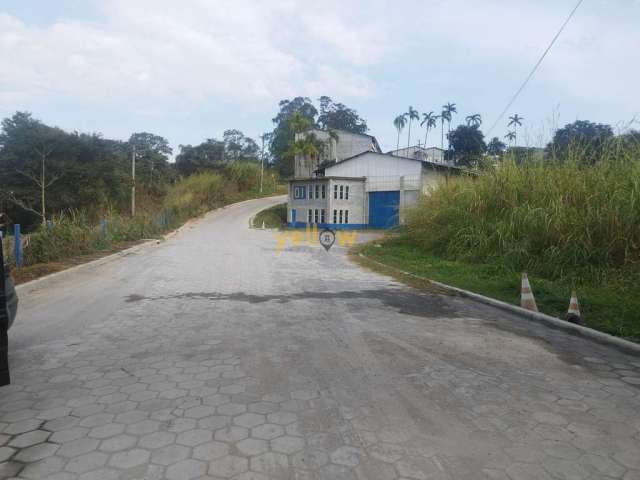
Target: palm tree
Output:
[(430, 120), (511, 136), (516, 121), (444, 115), (449, 109), (412, 114), (399, 122), (475, 120)]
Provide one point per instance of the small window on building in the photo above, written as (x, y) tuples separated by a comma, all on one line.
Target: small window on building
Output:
[(310, 216), (335, 192), (335, 216), (299, 192), (340, 216), (322, 216), (346, 216), (346, 192), (310, 192), (324, 191), (315, 216), (317, 191), (341, 192)]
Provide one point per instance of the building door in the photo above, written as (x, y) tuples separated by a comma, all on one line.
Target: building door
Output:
[(293, 216), (383, 209)]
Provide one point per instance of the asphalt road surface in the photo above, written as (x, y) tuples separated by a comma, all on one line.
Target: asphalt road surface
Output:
[(214, 355)]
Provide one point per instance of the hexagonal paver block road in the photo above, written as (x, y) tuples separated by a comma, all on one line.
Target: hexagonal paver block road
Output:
[(212, 356)]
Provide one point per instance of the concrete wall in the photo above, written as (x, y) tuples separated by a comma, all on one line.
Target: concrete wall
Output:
[(382, 171), (430, 154), (355, 204), (346, 145)]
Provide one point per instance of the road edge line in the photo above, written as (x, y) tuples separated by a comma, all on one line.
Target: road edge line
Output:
[(554, 322)]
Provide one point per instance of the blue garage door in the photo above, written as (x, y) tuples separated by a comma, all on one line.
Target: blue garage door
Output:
[(383, 209)]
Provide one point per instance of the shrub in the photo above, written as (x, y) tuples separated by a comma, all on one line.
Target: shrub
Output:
[(555, 219)]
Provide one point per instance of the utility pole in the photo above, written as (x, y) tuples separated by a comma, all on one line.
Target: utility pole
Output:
[(262, 161), (133, 181)]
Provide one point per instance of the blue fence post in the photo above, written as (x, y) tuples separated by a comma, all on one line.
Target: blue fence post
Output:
[(17, 245), (103, 228)]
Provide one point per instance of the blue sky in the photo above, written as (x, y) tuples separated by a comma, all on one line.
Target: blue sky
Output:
[(188, 70)]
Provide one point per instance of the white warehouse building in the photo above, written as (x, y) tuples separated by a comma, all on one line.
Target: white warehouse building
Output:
[(367, 189)]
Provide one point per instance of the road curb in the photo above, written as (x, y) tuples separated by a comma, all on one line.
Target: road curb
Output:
[(45, 281), (554, 322)]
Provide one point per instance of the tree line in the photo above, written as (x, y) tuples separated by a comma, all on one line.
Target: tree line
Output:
[(45, 170), (466, 144)]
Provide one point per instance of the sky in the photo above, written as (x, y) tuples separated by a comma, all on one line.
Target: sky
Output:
[(189, 70)]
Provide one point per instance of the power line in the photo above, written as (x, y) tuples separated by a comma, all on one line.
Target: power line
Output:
[(524, 84)]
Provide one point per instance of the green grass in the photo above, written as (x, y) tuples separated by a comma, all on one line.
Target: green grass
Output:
[(273, 217), (555, 219), (612, 307)]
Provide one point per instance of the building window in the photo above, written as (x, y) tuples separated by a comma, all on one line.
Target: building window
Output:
[(335, 192), (299, 192), (310, 216), (341, 192), (346, 192), (335, 216), (324, 191), (317, 191), (340, 216), (322, 216), (346, 216), (315, 216), (310, 192)]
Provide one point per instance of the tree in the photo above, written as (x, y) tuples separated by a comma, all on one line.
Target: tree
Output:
[(510, 136), (412, 114), (430, 120), (447, 112), (27, 145), (339, 117), (496, 147), (399, 122), (283, 136), (587, 137), (209, 155), (81, 171), (515, 121), (152, 152), (238, 146), (474, 120), (467, 143)]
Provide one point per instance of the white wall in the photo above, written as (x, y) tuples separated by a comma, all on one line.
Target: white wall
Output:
[(374, 165)]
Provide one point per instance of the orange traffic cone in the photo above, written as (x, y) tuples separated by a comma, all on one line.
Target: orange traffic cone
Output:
[(526, 295), (573, 315)]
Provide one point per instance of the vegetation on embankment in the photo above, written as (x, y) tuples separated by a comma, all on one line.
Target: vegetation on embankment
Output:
[(75, 233), (272, 217), (565, 223)]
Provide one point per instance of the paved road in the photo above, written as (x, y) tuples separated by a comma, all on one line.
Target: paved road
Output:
[(212, 355)]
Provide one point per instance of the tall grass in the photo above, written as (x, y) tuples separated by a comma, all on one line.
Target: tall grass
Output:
[(75, 232), (558, 219)]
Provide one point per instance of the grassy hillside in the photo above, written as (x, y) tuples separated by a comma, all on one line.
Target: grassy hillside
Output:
[(565, 223), (76, 233)]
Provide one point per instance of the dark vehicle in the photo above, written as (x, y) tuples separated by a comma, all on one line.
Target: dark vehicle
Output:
[(8, 309)]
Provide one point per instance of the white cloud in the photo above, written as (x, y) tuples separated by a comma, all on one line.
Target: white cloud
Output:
[(187, 51)]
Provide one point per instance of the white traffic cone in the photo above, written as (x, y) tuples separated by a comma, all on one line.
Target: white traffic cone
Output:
[(526, 295), (573, 315)]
